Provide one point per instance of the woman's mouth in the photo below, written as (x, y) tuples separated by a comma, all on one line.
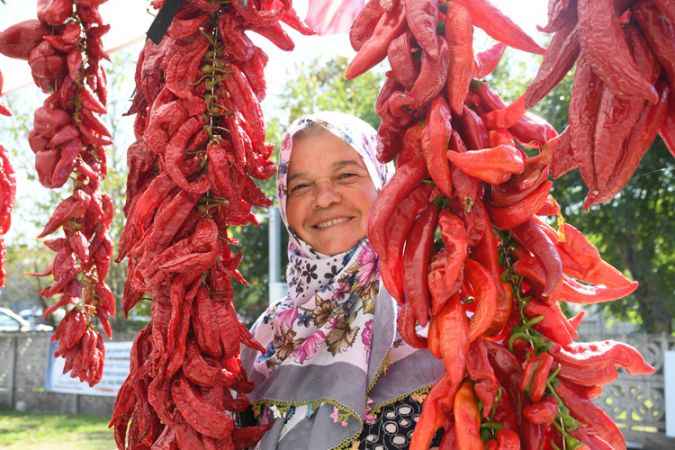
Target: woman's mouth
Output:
[(331, 223)]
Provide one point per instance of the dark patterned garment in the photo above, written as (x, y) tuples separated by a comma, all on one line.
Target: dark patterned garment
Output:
[(393, 427)]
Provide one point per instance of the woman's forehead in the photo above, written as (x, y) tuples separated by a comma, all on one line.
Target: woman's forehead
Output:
[(321, 152)]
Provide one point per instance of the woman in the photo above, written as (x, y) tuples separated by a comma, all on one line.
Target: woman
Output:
[(335, 374)]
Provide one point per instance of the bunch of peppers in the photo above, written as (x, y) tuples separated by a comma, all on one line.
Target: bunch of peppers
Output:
[(200, 146), (64, 49), (473, 245), (7, 194), (623, 86)]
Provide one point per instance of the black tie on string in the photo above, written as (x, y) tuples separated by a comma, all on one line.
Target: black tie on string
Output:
[(163, 19)]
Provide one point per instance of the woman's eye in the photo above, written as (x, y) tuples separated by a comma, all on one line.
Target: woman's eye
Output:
[(299, 187), (347, 176)]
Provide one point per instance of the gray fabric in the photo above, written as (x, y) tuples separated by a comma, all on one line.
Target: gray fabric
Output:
[(301, 384), (318, 432), (405, 376), (384, 332)]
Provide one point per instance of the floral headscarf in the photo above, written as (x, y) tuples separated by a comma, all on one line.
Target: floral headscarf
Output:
[(330, 341)]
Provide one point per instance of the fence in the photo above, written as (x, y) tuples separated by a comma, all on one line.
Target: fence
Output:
[(637, 404), (23, 365)]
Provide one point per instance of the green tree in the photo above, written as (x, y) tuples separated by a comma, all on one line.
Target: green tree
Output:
[(635, 232)]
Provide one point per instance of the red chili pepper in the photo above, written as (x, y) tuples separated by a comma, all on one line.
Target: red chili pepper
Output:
[(480, 371), (508, 440), (550, 208), (482, 287), (588, 413), (432, 77), (560, 56), (499, 137), (604, 45), (467, 418), (473, 129), (560, 12), (507, 117), (598, 375), (388, 27), (432, 417), (435, 138), (618, 115), (453, 329), (398, 230), (468, 190), (493, 165), (455, 240), (534, 239), (406, 179), (529, 130), (640, 139), (493, 22), (364, 23), (459, 35), (488, 60), (554, 324), (542, 412), (400, 55), (416, 259), (538, 386), (608, 351), (591, 439), (422, 17), (509, 217)]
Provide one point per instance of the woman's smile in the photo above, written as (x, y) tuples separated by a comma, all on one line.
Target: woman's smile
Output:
[(321, 226)]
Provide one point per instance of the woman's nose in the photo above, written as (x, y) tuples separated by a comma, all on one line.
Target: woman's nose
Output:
[(325, 195)]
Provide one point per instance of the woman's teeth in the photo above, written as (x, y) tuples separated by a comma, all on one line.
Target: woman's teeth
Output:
[(332, 222)]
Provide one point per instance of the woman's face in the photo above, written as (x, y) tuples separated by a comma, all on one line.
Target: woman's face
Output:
[(329, 193)]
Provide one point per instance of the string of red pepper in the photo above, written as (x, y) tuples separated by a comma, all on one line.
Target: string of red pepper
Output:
[(465, 244), (200, 144), (622, 94), (63, 48), (7, 193)]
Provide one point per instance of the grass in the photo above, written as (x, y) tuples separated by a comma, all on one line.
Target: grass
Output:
[(39, 431)]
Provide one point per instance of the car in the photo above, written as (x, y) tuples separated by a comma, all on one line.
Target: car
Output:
[(12, 322)]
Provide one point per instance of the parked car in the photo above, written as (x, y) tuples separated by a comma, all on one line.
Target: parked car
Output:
[(10, 321)]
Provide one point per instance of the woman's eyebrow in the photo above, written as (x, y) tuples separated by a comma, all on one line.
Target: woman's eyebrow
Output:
[(294, 176), (347, 162)]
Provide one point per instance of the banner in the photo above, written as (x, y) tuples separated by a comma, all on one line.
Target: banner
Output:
[(115, 371)]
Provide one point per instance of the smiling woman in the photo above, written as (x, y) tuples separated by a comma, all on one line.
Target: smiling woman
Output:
[(334, 373), (329, 192)]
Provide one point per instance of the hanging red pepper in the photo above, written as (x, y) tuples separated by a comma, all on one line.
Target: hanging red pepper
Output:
[(509, 217), (493, 165), (488, 60), (543, 412), (500, 27), (459, 34), (422, 16), (435, 139), (453, 331), (479, 284), (453, 233), (398, 229), (374, 50), (467, 418), (416, 259), (432, 417)]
